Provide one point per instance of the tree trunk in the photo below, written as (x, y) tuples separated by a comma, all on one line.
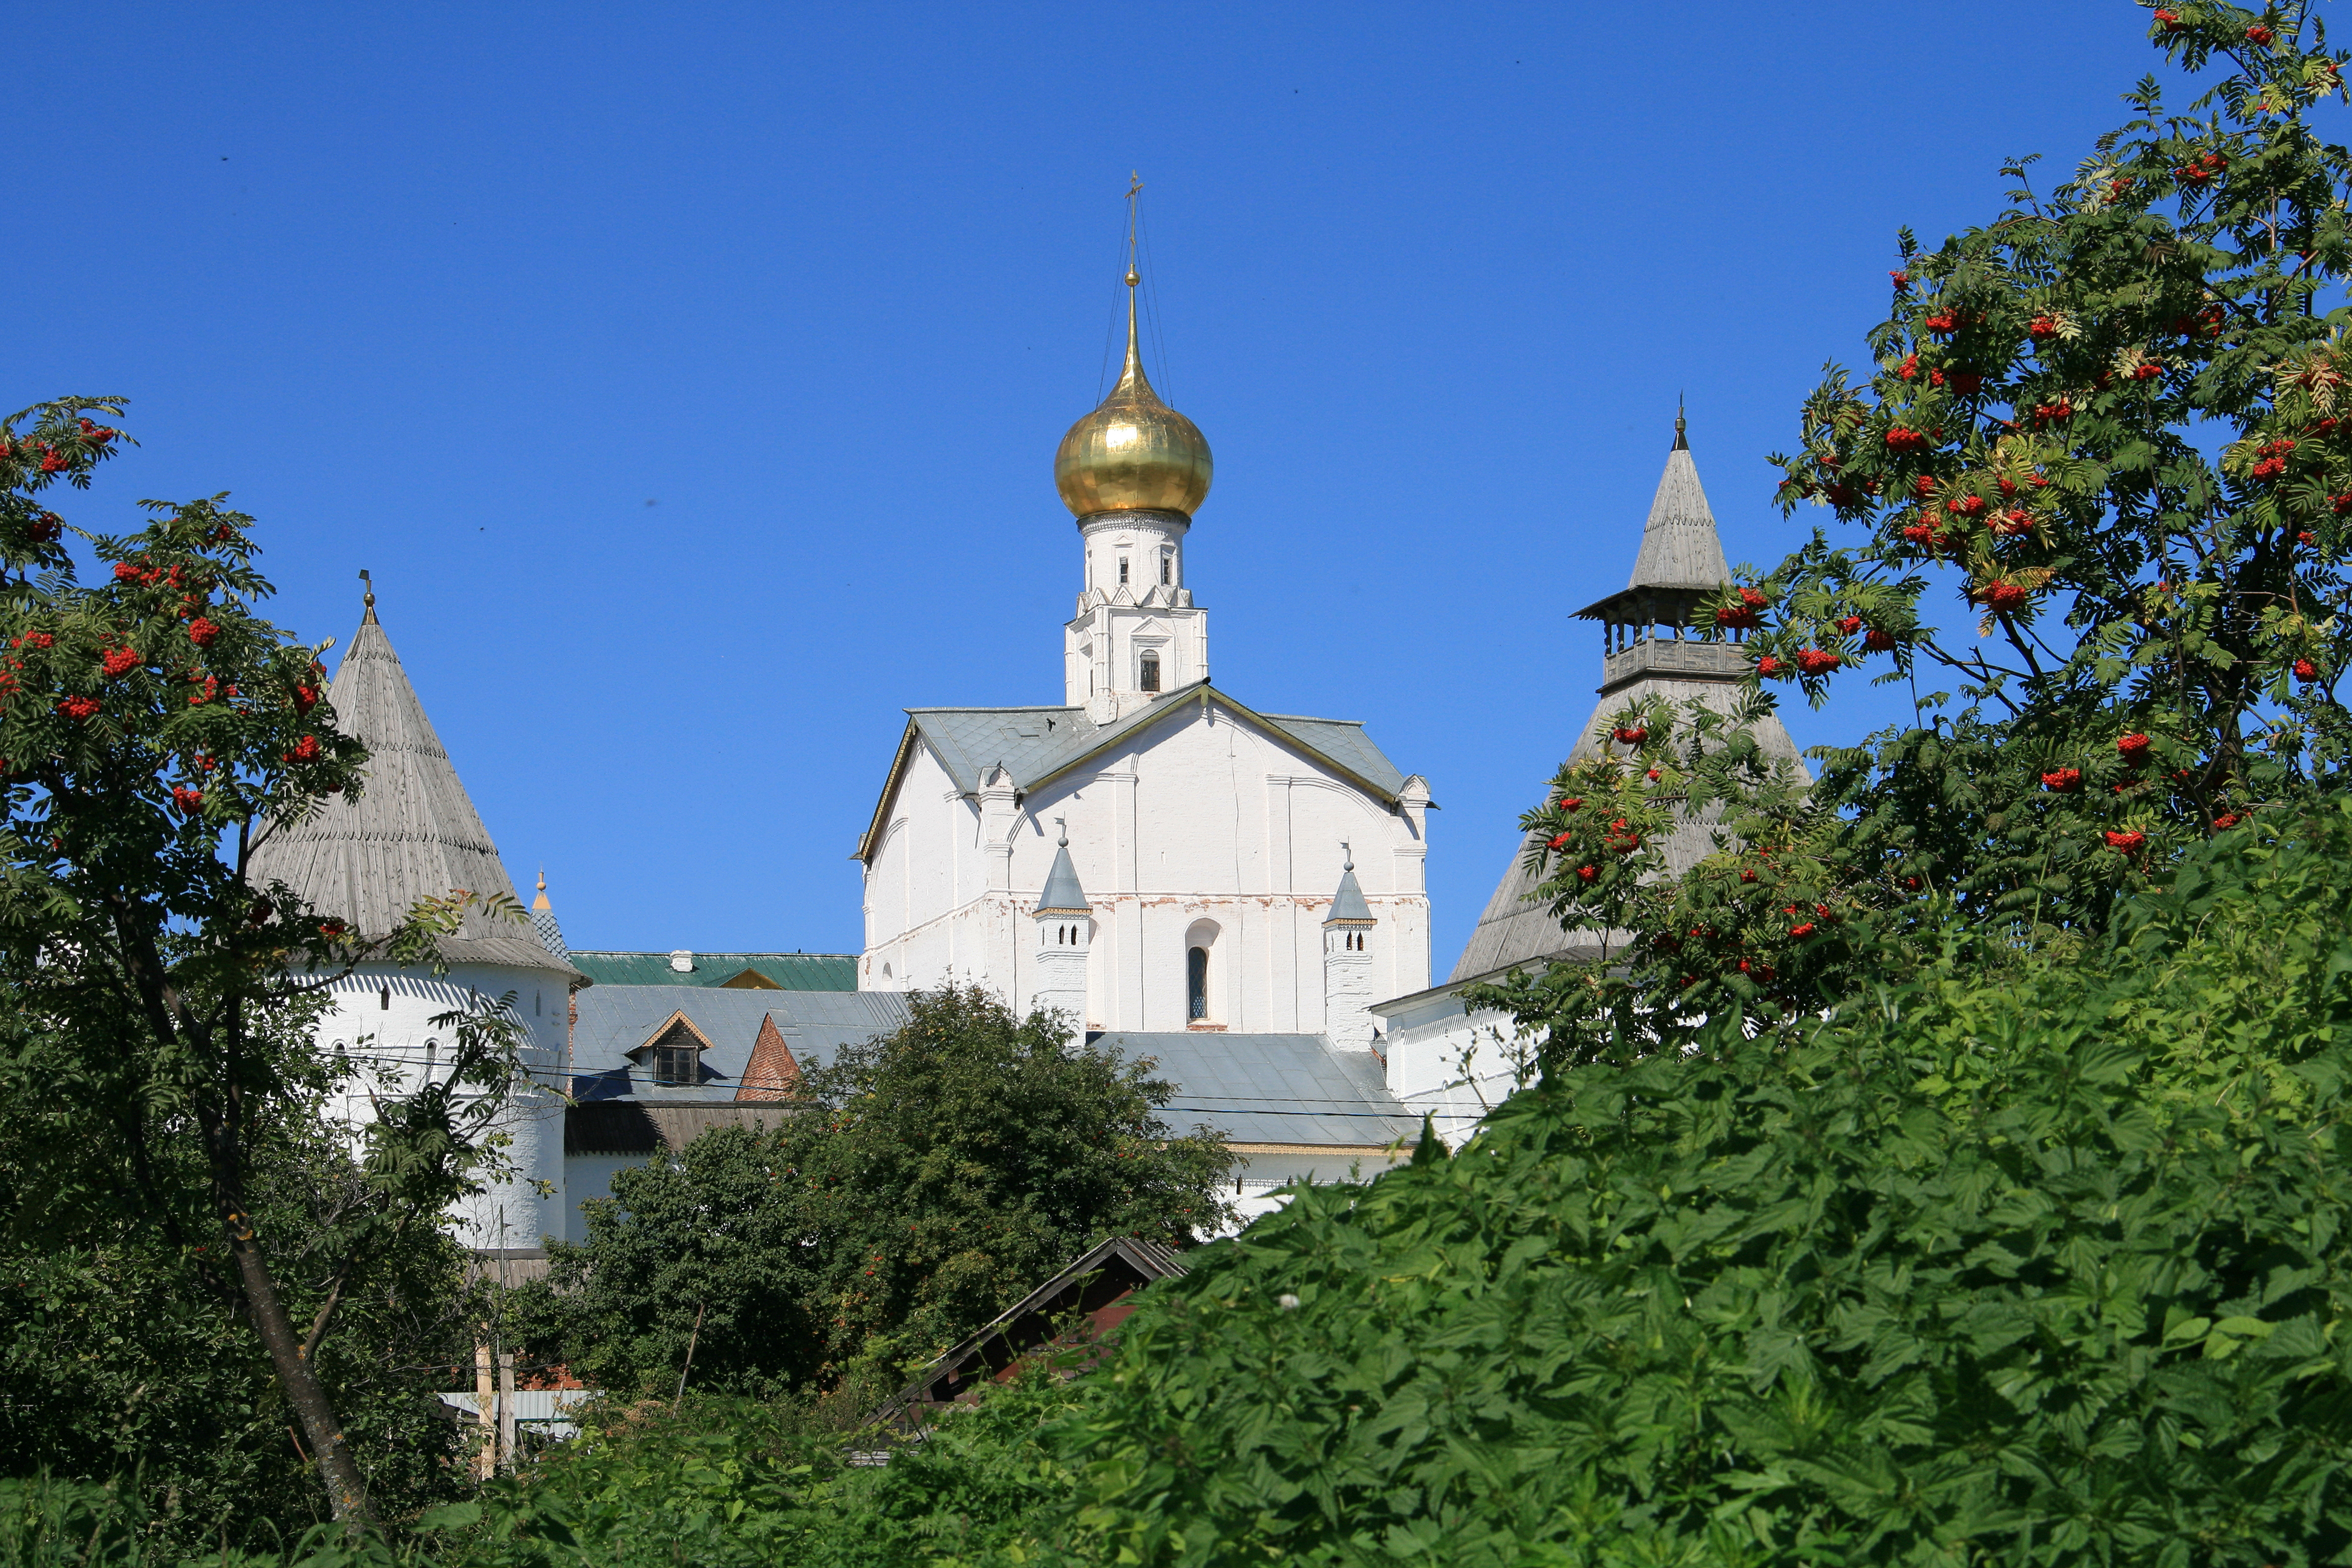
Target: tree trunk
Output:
[(345, 1490)]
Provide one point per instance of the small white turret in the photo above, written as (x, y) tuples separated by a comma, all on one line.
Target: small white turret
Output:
[(1348, 963), (1065, 936)]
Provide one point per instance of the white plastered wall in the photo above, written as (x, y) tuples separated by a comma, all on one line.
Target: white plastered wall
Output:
[(1206, 818), (382, 1018), (1451, 1063)]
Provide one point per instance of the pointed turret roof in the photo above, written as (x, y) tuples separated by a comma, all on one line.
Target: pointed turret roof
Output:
[(544, 921), (1348, 906), (1681, 559), (413, 833), (1680, 548), (1063, 896), (1681, 554)]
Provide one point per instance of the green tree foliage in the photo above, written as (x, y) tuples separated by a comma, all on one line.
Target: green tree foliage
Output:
[(2112, 428), (2046, 1272), (153, 729), (116, 1359), (925, 1181), (732, 1483), (2049, 1272), (704, 1246)]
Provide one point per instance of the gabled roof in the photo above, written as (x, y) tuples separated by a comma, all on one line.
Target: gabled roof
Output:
[(616, 1020), (1095, 1284), (676, 1023), (413, 834), (781, 971), (1038, 745)]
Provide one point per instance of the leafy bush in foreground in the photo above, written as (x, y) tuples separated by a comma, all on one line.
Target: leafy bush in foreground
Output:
[(2052, 1270), (1964, 1273), (732, 1481)]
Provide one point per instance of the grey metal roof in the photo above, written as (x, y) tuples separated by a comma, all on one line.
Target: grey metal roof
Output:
[(1029, 742), (1344, 741), (617, 1019), (1271, 1089), (1680, 548), (1348, 906), (412, 834), (1062, 894), (1033, 744)]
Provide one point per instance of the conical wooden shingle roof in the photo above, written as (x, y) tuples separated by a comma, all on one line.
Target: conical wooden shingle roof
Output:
[(413, 834), (1680, 556), (1680, 548)]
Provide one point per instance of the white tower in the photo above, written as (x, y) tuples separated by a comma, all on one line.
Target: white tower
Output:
[(1065, 927), (413, 834), (1348, 963), (1133, 472)]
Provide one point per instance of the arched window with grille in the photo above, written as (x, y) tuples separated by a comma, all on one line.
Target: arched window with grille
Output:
[(1148, 678), (1196, 983)]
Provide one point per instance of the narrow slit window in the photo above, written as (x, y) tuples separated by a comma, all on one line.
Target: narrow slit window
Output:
[(1149, 676), (1167, 570), (1122, 568), (1196, 981), (384, 1000)]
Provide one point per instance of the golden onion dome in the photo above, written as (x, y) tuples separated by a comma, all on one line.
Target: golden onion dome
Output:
[(1133, 453)]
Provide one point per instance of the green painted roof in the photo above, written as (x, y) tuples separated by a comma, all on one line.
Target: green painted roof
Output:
[(784, 971)]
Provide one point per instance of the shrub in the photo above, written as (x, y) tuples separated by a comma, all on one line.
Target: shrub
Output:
[(2050, 1271)]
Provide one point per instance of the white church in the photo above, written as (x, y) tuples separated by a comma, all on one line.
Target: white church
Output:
[(1210, 840), (1239, 896)]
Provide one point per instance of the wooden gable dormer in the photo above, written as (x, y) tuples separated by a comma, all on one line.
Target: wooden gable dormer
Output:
[(672, 1054)]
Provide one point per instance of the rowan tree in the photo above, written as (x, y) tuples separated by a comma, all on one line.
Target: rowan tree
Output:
[(2112, 429), (154, 729)]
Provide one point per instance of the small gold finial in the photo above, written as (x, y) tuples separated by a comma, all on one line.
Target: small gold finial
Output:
[(367, 599), (540, 902)]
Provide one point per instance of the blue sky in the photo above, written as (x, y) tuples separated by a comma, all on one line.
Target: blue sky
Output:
[(689, 377)]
